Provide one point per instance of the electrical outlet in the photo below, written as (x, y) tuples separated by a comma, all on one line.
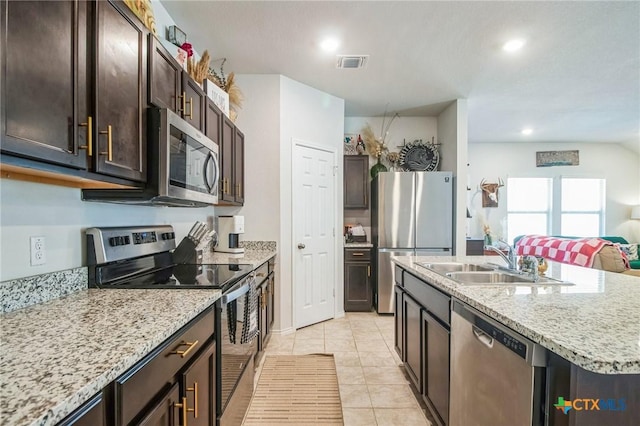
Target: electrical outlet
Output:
[(38, 254)]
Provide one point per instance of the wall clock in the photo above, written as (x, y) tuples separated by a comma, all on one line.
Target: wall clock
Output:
[(419, 157)]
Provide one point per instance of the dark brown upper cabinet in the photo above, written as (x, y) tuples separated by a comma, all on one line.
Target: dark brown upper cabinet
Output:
[(44, 84), (213, 121), (238, 167), (120, 92), (356, 182), (171, 87), (231, 164), (74, 88)]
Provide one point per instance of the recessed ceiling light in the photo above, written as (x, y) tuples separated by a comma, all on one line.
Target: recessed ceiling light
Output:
[(527, 131), (513, 45), (329, 44)]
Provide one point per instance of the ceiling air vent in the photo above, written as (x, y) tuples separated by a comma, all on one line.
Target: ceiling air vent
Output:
[(352, 61)]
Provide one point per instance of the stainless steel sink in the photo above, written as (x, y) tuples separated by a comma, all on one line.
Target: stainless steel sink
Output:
[(497, 278), (444, 267)]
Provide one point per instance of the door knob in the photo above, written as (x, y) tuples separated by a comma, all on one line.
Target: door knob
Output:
[(301, 246)]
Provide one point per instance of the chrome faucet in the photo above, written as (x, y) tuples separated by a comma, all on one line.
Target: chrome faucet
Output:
[(510, 257)]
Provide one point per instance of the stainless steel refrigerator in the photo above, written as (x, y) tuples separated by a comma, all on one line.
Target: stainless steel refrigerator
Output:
[(411, 215)]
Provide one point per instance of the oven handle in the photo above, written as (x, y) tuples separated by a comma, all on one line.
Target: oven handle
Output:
[(236, 292)]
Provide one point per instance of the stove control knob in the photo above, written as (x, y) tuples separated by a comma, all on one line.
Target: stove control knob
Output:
[(113, 241)]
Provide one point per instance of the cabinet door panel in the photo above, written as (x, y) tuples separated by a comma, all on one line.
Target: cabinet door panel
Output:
[(238, 167), (213, 119), (199, 381), (164, 413), (165, 77), (413, 334), (194, 103), (436, 366), (40, 59), (271, 302), (120, 93), (226, 162), (357, 287), (356, 181), (398, 317)]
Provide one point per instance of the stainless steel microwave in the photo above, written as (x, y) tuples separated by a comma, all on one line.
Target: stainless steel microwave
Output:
[(182, 162)]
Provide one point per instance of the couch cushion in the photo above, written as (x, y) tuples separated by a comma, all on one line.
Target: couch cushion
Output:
[(610, 260), (634, 264)]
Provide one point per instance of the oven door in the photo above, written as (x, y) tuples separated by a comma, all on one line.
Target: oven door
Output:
[(193, 167), (236, 358)]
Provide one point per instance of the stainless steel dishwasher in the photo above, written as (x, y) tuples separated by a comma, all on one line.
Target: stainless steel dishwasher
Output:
[(497, 375)]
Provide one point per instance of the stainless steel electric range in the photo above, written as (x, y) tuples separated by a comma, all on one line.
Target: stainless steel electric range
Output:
[(143, 258)]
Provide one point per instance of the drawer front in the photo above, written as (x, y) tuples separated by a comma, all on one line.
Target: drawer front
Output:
[(139, 386), (355, 255), (431, 299)]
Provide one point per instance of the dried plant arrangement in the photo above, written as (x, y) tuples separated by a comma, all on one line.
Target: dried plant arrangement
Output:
[(376, 145), (228, 84), (200, 70)]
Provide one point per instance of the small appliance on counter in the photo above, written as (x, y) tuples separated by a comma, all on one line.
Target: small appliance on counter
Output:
[(229, 230)]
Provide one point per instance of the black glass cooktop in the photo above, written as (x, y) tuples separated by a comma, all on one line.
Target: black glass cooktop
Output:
[(187, 276)]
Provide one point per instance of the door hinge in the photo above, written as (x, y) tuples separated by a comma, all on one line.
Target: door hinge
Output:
[(335, 170), (333, 231)]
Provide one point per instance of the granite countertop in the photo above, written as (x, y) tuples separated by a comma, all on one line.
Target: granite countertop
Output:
[(58, 354), (358, 245), (254, 257), (593, 324)]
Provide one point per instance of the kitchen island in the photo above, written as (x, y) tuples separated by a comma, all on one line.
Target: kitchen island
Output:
[(594, 324), (589, 330)]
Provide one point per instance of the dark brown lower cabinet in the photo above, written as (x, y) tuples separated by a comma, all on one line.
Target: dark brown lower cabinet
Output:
[(422, 339), (435, 370), (166, 412), (198, 389), (399, 322), (181, 360), (412, 338), (358, 288)]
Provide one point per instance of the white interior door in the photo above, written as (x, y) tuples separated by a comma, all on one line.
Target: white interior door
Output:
[(314, 212)]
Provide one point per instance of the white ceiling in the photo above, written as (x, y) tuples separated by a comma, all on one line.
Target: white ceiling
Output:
[(576, 80)]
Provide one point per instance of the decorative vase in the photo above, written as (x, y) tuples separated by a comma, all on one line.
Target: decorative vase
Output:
[(377, 168), (487, 240)]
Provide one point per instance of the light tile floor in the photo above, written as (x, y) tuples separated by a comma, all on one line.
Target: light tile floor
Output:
[(373, 386)]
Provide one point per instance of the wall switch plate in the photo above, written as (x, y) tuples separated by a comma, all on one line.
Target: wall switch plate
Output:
[(38, 256)]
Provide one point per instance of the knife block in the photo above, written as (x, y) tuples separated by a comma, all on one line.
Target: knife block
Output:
[(186, 253)]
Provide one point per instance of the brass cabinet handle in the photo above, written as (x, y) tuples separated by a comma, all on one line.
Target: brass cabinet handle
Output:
[(227, 184), (368, 270), (358, 254), (260, 274), (238, 189), (184, 102), (184, 353), (194, 389), (183, 405), (89, 145), (190, 109), (109, 133)]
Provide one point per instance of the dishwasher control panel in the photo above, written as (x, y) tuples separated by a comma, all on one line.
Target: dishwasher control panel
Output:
[(512, 343)]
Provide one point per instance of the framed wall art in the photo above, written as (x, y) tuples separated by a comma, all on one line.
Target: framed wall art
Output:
[(557, 158)]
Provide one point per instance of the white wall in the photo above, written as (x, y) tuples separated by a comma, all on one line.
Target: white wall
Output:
[(309, 115), (259, 120), (58, 214), (452, 125), (613, 162)]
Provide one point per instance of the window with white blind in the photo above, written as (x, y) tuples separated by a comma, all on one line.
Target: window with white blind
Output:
[(555, 206)]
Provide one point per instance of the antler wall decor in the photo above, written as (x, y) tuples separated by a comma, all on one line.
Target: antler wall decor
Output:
[(490, 193)]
